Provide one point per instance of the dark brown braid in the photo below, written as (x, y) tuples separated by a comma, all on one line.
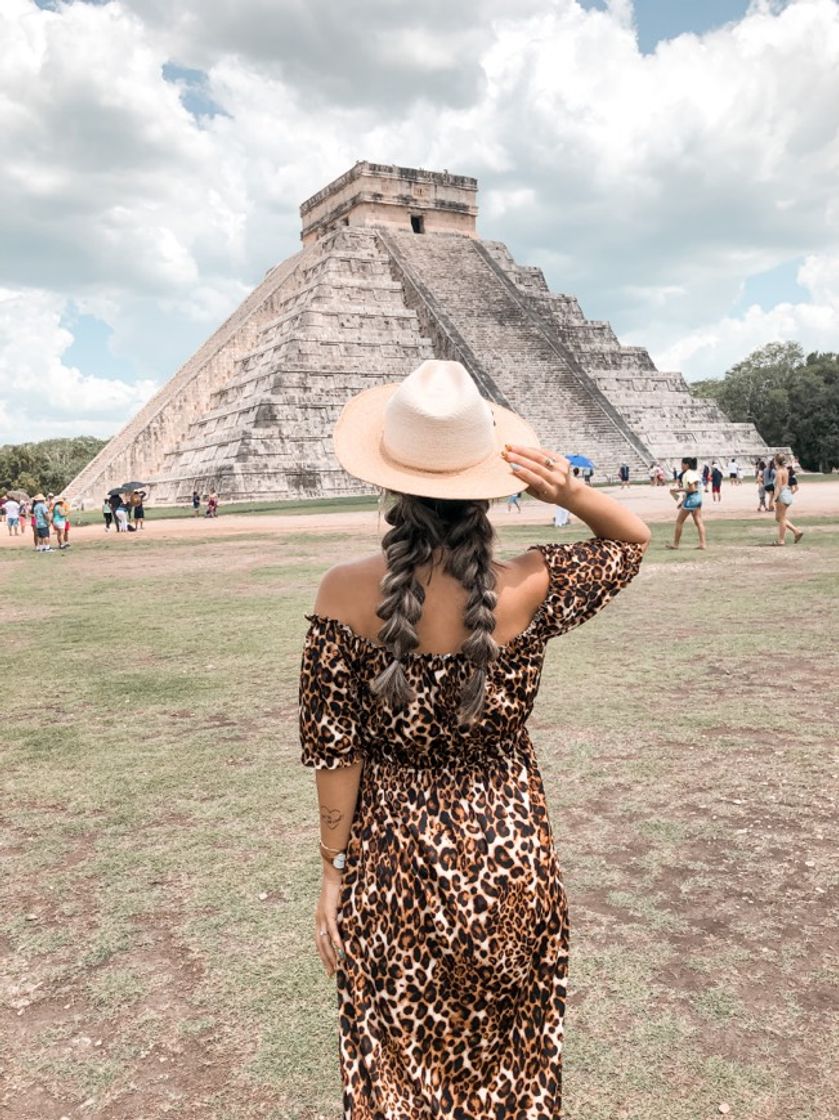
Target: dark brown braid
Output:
[(421, 526)]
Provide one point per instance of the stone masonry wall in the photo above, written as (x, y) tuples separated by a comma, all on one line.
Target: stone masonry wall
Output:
[(139, 450), (340, 327)]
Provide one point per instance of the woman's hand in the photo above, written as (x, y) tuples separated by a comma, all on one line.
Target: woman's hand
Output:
[(330, 947), (547, 475)]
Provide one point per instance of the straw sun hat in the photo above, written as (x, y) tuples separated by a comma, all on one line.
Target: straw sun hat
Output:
[(432, 434)]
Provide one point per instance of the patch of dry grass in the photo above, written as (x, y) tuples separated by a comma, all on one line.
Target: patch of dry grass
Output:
[(159, 834)]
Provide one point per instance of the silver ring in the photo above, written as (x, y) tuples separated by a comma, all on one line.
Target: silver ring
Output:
[(550, 462), (323, 933)]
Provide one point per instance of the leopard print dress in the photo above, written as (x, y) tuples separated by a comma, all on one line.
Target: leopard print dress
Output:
[(453, 914)]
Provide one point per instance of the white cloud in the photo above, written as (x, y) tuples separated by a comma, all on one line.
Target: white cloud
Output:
[(717, 346), (39, 394), (651, 186)]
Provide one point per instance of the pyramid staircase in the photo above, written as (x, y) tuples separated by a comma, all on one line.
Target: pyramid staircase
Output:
[(657, 406)]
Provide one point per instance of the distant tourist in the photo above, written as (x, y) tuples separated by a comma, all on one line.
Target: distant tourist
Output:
[(13, 517), (41, 523), (653, 474), (121, 514), (761, 486), (107, 512), (691, 484), (196, 503), (783, 500), (137, 509), (116, 502), (513, 502), (561, 517), (716, 482), (623, 475), (212, 505), (60, 520), (793, 478), (706, 477), (733, 472), (769, 484)]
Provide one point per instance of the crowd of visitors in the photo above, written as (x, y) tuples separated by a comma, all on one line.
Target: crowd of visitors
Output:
[(41, 515), (124, 511), (45, 515), (778, 474)]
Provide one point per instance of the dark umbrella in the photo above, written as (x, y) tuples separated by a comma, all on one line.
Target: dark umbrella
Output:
[(580, 461), (135, 485), (116, 490), (17, 495)]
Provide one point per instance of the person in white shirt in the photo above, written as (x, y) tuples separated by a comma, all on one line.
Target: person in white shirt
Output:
[(13, 517), (733, 472), (691, 485)]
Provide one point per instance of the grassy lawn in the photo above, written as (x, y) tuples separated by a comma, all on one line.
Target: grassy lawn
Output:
[(317, 506), (159, 834)]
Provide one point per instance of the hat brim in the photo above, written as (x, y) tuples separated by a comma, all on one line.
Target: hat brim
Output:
[(358, 447)]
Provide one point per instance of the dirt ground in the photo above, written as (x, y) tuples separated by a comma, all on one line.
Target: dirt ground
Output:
[(158, 835), (653, 504)]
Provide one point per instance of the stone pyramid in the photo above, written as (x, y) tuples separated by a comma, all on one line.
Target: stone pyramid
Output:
[(392, 272)]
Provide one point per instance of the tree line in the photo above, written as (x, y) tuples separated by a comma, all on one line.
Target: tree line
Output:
[(792, 400), (48, 465)]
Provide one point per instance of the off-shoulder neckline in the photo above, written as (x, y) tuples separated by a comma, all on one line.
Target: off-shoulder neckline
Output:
[(426, 656), (507, 646)]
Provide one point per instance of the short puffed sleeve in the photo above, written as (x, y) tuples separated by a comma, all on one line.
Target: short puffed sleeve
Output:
[(329, 695), (583, 577)]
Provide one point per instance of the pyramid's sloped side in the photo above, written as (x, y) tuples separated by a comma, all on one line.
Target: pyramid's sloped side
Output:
[(138, 451), (658, 406), (267, 433), (502, 330)]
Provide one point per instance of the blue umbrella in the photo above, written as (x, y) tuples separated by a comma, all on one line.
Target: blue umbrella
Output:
[(579, 461)]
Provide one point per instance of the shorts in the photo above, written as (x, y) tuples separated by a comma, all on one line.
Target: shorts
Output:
[(785, 497), (770, 488), (59, 525), (692, 501), (139, 512), (716, 489), (42, 532), (12, 522)]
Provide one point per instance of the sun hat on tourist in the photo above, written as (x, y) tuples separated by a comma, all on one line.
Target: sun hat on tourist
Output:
[(39, 498), (432, 434)]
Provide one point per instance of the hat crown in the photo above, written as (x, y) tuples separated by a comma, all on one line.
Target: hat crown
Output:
[(437, 420)]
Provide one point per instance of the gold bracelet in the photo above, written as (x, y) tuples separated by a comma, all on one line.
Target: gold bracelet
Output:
[(335, 850)]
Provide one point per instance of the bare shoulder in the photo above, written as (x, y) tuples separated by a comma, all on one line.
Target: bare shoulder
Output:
[(527, 574), (348, 590)]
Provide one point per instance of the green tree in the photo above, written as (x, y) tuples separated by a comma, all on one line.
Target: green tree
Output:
[(48, 465), (792, 401)]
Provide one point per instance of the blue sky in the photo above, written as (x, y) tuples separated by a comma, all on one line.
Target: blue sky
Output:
[(655, 20), (665, 19), (648, 156)]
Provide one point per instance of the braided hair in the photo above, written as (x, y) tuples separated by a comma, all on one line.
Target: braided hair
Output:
[(420, 527)]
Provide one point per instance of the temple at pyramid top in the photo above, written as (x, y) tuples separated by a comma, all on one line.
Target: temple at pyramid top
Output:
[(379, 194)]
